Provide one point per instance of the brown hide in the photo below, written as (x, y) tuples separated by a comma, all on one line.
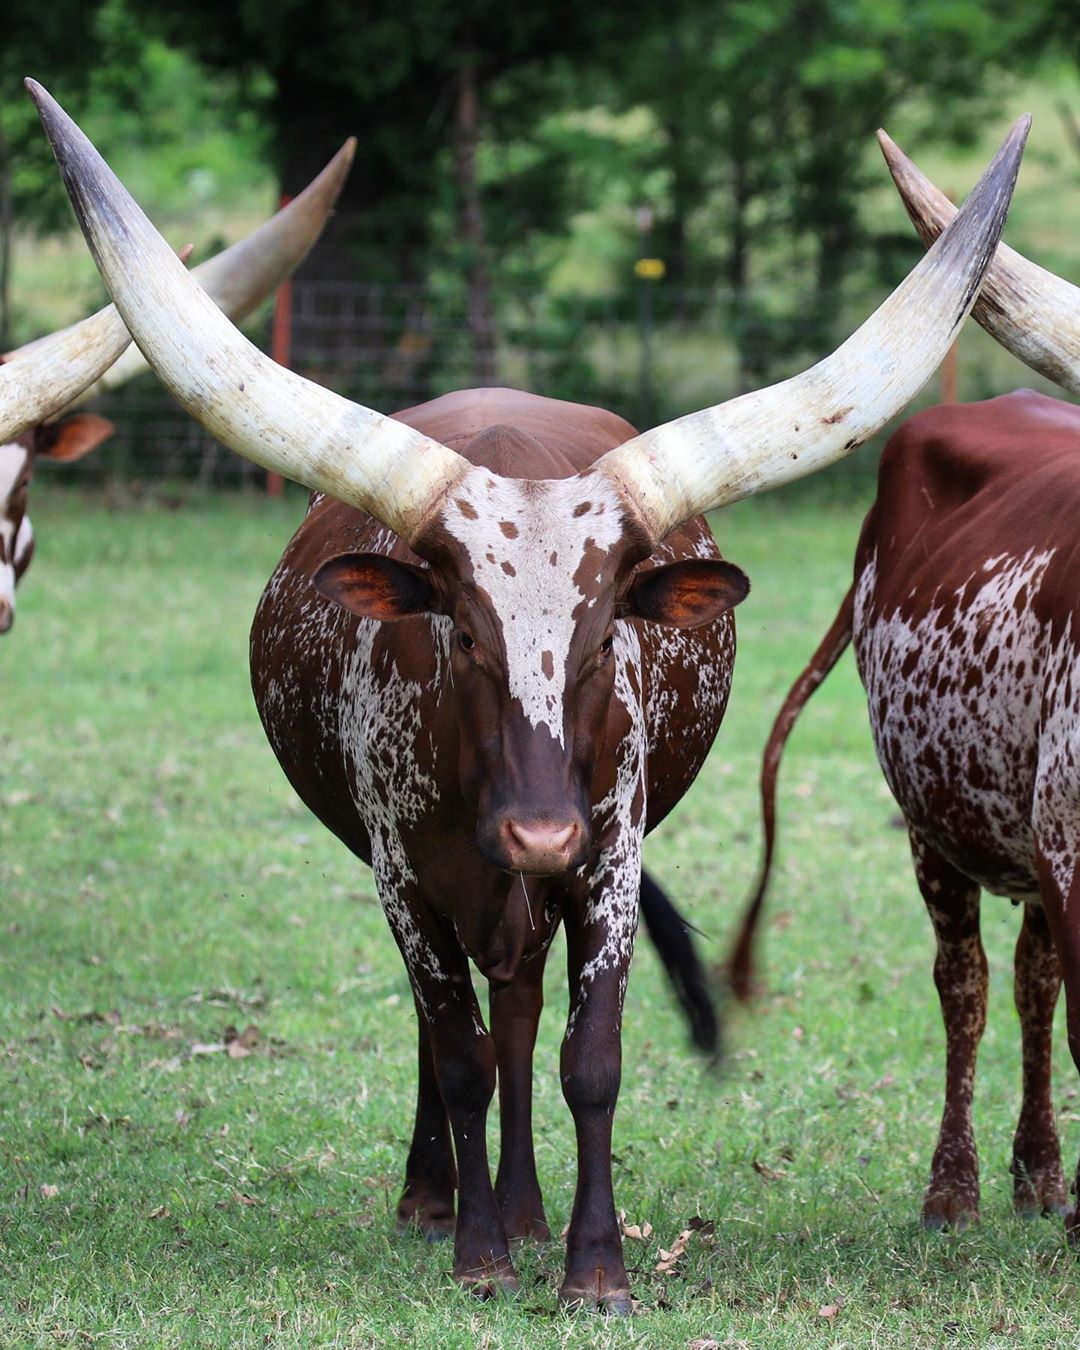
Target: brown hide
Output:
[(965, 617), (422, 759)]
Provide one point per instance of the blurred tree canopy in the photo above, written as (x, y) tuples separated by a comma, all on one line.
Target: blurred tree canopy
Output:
[(152, 109), (727, 137)]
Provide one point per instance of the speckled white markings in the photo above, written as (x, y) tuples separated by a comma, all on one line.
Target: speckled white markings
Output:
[(615, 882), (380, 730), (976, 699), (526, 541)]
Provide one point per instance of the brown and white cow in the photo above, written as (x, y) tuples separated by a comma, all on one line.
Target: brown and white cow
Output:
[(495, 653), (41, 382), (965, 618)]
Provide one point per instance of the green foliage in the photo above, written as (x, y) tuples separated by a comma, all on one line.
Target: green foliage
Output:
[(180, 138), (177, 133)]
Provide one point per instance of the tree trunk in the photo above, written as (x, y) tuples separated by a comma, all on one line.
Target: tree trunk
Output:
[(1072, 125), (750, 336), (471, 217), (359, 318)]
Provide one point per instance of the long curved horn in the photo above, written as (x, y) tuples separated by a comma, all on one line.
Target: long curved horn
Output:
[(769, 437), (239, 278), (266, 413), (1030, 311), (34, 387)]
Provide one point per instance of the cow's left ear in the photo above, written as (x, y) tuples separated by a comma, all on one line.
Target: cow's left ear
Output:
[(72, 437), (376, 587), (686, 594)]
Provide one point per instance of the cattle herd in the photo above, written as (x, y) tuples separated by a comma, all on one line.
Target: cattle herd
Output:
[(497, 650)]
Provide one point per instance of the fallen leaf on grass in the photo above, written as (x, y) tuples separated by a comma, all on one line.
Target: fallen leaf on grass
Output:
[(204, 1048), (160, 1212), (703, 1344), (48, 1191), (226, 996), (830, 1310), (239, 1044), (112, 1018), (769, 1173), (638, 1231), (670, 1259), (238, 1198)]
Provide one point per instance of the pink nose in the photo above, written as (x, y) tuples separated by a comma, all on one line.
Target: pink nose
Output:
[(538, 847), (7, 616)]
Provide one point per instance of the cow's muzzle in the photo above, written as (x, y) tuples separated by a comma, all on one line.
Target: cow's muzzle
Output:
[(539, 847)]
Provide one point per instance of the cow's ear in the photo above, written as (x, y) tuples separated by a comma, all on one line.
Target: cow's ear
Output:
[(375, 587), (72, 437), (686, 594)]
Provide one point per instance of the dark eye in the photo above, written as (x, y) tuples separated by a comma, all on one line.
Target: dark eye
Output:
[(465, 642), (607, 644)]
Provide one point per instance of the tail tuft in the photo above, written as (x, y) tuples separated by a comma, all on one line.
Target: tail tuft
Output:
[(670, 936)]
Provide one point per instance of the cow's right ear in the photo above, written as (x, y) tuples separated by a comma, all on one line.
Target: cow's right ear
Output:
[(375, 587), (72, 437)]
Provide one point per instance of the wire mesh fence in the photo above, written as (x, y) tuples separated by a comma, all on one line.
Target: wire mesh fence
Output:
[(649, 355)]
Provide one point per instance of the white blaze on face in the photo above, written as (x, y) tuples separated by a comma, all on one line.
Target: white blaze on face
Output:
[(526, 541)]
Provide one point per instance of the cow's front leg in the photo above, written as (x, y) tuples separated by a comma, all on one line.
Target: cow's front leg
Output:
[(427, 1199), (599, 948), (463, 1056), (515, 1016)]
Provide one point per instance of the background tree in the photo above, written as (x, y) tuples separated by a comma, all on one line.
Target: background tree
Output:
[(62, 38)]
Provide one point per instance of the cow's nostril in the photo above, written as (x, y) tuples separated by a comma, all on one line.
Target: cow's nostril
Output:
[(7, 616)]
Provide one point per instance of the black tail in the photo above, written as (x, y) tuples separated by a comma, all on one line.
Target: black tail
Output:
[(670, 936)]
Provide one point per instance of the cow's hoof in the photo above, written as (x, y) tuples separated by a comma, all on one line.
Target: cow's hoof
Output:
[(612, 1303), (1038, 1202), (952, 1210), (490, 1284), (433, 1228), (1039, 1191), (527, 1230)]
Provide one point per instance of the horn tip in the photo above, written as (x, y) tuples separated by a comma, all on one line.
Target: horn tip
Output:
[(889, 148), (52, 115)]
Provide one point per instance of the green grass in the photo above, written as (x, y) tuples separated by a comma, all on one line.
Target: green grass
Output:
[(159, 885)]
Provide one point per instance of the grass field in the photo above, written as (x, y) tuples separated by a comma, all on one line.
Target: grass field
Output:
[(159, 886)]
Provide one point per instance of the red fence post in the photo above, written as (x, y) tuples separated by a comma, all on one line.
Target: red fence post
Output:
[(281, 347)]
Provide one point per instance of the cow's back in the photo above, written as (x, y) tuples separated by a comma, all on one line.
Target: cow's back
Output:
[(966, 623)]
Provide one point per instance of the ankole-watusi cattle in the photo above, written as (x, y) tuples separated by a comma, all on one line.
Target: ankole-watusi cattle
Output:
[(965, 618), (492, 657), (42, 382)]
